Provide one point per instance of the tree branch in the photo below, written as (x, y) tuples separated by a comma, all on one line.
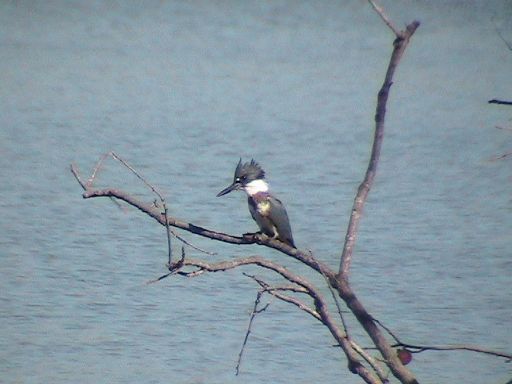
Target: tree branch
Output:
[(276, 292), (156, 214), (254, 312), (337, 282), (367, 368), (400, 44), (502, 102), (454, 347), (354, 363), (384, 17), (341, 282)]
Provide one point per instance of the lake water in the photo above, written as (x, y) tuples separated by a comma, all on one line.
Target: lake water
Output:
[(181, 90)]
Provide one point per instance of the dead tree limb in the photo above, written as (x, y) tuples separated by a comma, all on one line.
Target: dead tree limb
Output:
[(400, 44), (502, 102), (359, 361), (354, 363), (338, 281)]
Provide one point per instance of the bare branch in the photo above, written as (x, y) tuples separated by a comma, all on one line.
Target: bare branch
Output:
[(502, 102), (156, 192), (252, 260), (336, 302), (336, 281), (95, 170), (370, 360), (256, 238), (272, 290), (276, 292), (139, 176), (88, 184), (174, 270), (341, 282), (507, 43), (400, 44), (347, 295), (76, 173), (421, 348), (455, 347), (359, 361), (354, 364), (384, 17), (186, 242), (255, 311)]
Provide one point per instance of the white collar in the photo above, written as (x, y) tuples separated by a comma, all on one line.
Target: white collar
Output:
[(256, 186)]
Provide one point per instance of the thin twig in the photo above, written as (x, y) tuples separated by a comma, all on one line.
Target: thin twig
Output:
[(276, 292), (138, 175), (156, 192), (413, 348), (255, 311), (502, 102), (338, 307), (96, 169), (384, 17), (273, 291), (173, 268), (387, 330), (421, 348), (186, 242), (508, 44), (374, 363), (160, 278), (456, 347), (76, 173), (87, 185)]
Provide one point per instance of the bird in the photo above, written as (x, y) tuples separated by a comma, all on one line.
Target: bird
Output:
[(266, 209)]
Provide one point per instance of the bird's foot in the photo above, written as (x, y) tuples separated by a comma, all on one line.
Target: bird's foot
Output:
[(250, 235)]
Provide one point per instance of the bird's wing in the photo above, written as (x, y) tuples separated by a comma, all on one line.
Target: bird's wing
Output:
[(279, 217)]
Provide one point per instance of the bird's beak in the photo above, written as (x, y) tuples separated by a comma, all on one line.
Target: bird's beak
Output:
[(225, 191)]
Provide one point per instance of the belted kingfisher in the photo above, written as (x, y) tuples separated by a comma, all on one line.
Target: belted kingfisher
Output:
[(268, 211)]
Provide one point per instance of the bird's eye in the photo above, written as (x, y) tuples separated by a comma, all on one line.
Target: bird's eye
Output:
[(237, 180)]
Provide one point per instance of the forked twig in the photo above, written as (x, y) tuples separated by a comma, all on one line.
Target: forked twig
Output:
[(254, 312), (116, 194), (88, 184), (156, 192), (276, 292), (174, 269)]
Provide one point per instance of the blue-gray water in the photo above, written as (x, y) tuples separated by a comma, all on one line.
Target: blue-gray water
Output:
[(181, 90)]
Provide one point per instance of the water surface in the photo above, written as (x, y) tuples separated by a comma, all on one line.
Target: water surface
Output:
[(182, 90)]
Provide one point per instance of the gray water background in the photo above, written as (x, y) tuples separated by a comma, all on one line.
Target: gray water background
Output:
[(181, 90)]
